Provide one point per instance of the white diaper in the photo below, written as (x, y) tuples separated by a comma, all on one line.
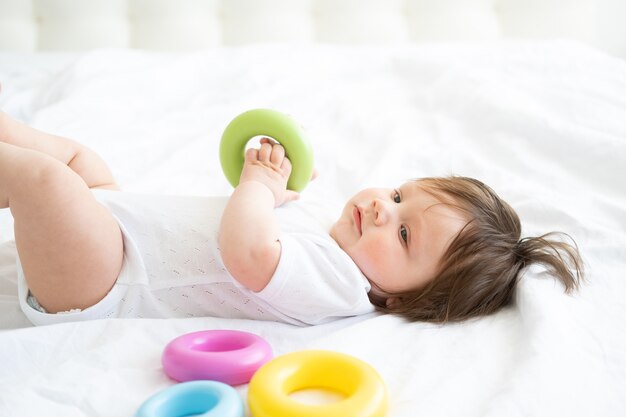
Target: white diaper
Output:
[(32, 301)]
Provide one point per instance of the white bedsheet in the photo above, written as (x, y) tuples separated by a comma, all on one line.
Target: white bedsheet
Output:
[(543, 124)]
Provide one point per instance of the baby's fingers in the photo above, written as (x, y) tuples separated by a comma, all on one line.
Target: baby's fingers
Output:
[(285, 167), (265, 152), (278, 155), (291, 196), (252, 155)]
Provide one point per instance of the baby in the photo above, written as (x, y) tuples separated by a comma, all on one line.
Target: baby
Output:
[(434, 249)]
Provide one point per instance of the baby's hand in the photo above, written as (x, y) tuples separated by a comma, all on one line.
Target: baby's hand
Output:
[(270, 166)]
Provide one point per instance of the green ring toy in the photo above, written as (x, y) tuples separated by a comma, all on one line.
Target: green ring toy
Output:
[(273, 124)]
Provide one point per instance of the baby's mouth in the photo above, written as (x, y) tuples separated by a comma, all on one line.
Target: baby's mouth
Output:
[(356, 214)]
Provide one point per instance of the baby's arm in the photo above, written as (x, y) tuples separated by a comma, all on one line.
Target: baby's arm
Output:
[(249, 230)]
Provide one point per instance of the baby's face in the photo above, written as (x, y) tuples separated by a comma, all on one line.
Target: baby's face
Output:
[(397, 237)]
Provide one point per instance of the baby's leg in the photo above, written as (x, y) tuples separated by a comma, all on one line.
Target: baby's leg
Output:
[(79, 158), (69, 245)]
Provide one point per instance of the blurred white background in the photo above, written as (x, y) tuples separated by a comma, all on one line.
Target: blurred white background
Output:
[(78, 25)]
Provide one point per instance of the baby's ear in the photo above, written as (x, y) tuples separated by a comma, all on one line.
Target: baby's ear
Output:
[(392, 302)]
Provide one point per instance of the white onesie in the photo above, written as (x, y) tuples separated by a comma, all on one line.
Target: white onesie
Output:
[(172, 267)]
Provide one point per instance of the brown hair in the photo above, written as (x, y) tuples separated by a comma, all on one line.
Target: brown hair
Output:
[(480, 269)]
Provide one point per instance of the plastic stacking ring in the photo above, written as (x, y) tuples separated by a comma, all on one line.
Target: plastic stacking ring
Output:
[(227, 356), (197, 398), (273, 124), (364, 390)]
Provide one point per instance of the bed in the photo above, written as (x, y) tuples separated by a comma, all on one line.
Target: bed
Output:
[(542, 122)]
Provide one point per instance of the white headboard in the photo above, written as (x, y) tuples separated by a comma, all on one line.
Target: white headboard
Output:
[(70, 25)]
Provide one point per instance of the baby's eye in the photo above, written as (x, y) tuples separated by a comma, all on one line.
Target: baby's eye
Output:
[(396, 196), (404, 234)]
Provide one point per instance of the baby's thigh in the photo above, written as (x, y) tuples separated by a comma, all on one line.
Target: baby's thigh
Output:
[(70, 246)]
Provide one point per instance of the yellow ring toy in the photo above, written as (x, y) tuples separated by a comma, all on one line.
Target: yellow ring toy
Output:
[(364, 390)]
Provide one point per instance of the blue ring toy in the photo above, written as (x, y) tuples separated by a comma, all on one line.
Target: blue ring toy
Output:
[(201, 398)]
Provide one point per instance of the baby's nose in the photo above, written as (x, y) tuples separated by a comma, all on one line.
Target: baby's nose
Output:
[(381, 212)]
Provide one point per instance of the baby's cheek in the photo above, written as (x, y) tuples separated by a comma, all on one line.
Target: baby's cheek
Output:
[(377, 256)]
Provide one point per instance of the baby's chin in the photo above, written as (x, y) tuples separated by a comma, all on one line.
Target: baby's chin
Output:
[(340, 233), (333, 232)]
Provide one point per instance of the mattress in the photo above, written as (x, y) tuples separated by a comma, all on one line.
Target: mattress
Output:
[(543, 123)]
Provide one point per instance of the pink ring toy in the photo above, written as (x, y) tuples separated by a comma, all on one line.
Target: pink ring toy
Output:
[(227, 356)]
